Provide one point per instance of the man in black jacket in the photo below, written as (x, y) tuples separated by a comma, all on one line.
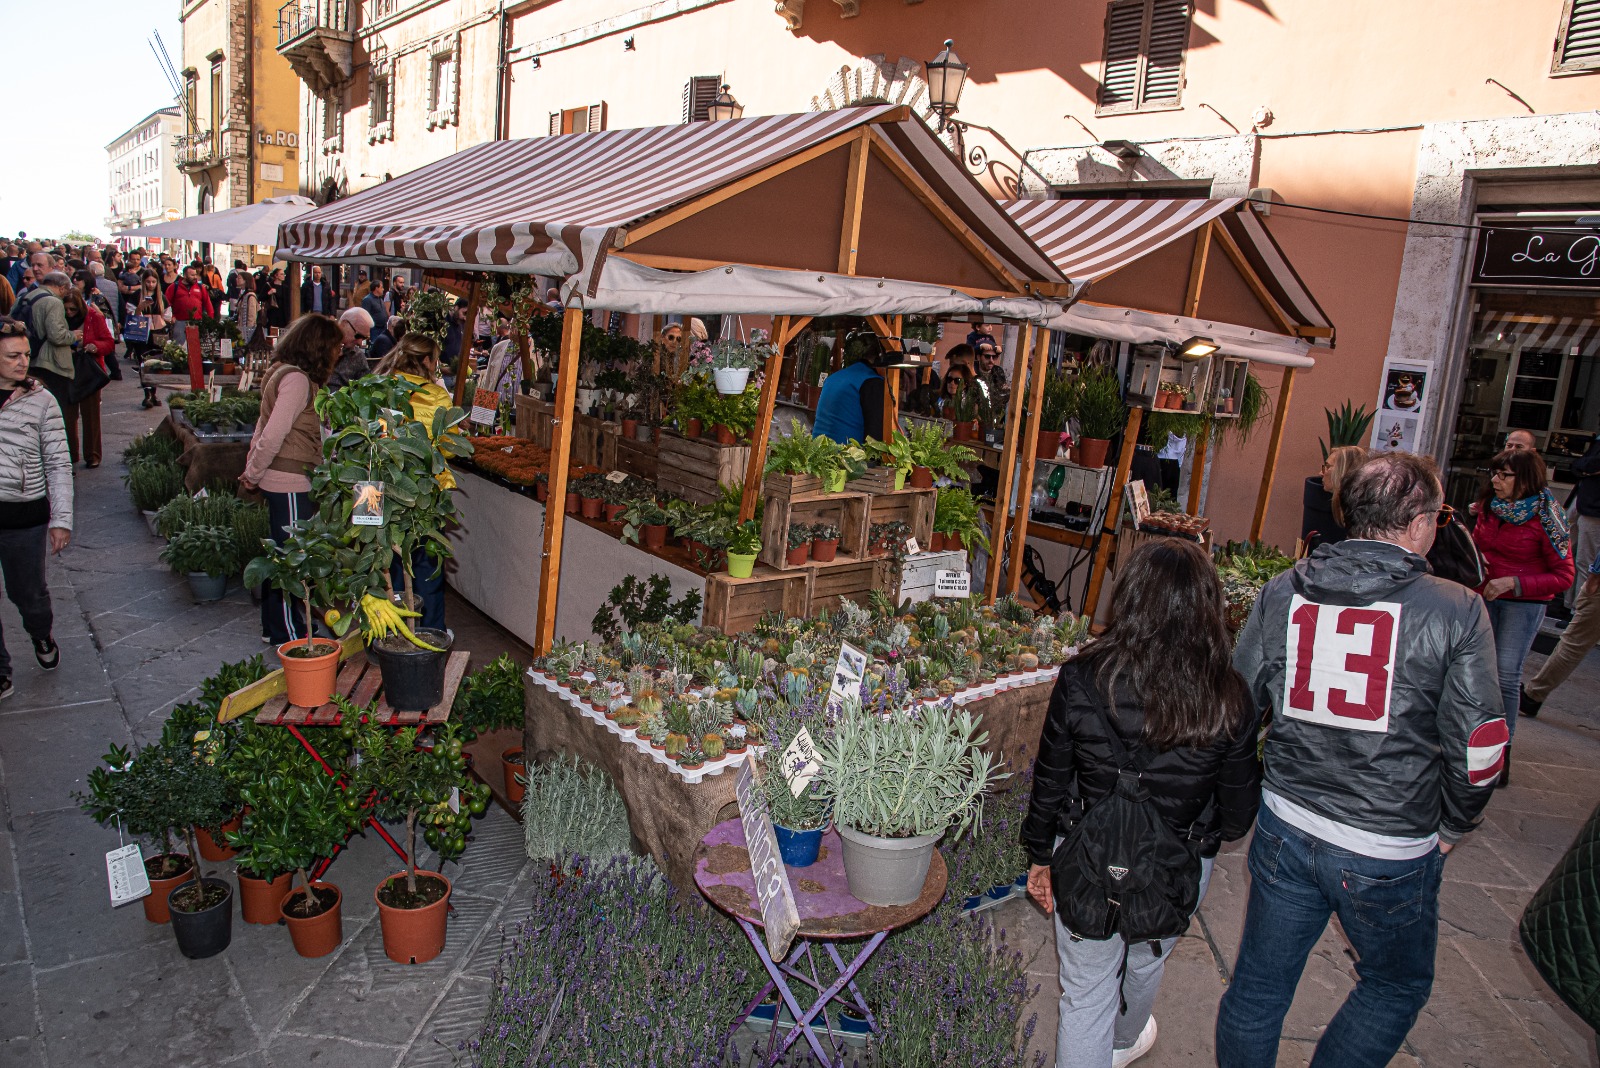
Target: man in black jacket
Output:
[(1387, 735)]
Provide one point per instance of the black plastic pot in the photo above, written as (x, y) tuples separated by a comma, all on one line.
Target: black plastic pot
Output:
[(207, 932), (413, 679)]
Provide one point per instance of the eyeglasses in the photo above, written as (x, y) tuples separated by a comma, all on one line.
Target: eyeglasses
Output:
[(1501, 474)]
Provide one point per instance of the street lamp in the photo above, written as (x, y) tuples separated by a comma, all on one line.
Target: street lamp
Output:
[(724, 107), (946, 74)]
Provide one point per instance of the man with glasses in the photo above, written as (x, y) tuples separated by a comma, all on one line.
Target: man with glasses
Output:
[(356, 325), (1387, 737), (992, 375)]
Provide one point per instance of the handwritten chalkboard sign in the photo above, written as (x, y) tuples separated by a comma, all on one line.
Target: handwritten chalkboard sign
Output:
[(1551, 256), (779, 917)]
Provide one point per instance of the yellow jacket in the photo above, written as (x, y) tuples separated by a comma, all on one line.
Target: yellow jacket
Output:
[(424, 402)]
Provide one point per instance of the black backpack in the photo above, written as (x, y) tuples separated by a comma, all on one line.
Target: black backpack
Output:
[(1121, 869), (1455, 555)]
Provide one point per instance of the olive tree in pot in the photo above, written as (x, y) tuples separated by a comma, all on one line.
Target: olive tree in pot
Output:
[(898, 783), (313, 565), (378, 441), (408, 783)]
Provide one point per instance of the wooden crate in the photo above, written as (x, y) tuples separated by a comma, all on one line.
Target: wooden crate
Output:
[(876, 480), (636, 457), (696, 469), (913, 507), (918, 573), (735, 604), (845, 578), (534, 418), (786, 487), (589, 442), (847, 511)]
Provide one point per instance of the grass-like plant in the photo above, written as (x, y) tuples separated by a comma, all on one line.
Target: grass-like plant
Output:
[(571, 809), (1101, 413), (154, 483)]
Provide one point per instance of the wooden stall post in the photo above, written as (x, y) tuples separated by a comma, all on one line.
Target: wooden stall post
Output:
[(889, 330), (291, 279), (1197, 473), (474, 305), (555, 509), (1274, 444), (758, 437), (1102, 552), (1008, 475), (1019, 536)]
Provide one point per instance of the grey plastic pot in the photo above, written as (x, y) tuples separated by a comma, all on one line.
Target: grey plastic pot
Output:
[(886, 871), (204, 587)]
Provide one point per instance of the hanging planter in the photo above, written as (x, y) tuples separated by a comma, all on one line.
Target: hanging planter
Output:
[(202, 917), (413, 924), (731, 380), (310, 680), (317, 929), (413, 678), (259, 898)]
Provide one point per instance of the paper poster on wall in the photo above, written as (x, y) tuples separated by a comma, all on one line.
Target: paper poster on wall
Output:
[(1400, 422)]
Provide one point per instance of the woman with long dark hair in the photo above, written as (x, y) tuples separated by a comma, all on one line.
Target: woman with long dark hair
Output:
[(151, 302), (1161, 677)]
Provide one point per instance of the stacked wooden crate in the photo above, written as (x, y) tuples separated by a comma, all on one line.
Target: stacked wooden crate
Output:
[(696, 469), (735, 604)]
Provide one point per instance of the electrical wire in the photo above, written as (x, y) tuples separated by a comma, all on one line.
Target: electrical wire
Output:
[(1420, 222)]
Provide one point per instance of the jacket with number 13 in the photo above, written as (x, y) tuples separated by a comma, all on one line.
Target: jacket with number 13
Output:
[(1379, 680)]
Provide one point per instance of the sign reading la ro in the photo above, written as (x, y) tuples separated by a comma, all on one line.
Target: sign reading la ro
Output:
[(285, 138)]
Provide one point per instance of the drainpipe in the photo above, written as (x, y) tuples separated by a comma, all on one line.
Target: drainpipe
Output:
[(500, 77)]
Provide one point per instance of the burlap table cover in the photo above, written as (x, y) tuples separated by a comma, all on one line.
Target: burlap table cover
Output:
[(206, 462)]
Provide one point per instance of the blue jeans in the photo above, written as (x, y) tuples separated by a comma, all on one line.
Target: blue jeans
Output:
[(427, 583), (1516, 624), (1390, 912)]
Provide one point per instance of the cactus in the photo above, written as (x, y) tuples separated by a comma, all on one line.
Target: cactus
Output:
[(713, 746), (677, 745)]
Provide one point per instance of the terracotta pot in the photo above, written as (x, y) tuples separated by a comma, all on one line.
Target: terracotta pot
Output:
[(724, 435), (155, 905), (592, 507), (693, 428), (936, 542), (798, 555), (511, 763), (921, 478), (1045, 448), (823, 551), (574, 502), (613, 511), (217, 848), (1092, 451), (310, 680), (319, 935), (655, 535), (259, 898), (541, 491), (630, 428), (960, 432), (953, 542), (413, 936)]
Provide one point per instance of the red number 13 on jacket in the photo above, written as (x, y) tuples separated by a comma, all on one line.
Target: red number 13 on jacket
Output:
[(1339, 664)]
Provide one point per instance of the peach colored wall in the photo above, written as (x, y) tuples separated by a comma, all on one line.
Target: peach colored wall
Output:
[(1318, 66)]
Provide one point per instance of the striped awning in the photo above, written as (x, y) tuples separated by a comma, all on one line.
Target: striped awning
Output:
[(558, 205), (1569, 335)]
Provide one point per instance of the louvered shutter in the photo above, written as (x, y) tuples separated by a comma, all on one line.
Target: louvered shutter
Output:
[(597, 117), (555, 123), (1119, 76), (698, 96), (1578, 44), (1167, 39), (1145, 45)]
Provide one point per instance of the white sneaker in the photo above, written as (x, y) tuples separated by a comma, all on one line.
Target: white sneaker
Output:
[(1141, 1046)]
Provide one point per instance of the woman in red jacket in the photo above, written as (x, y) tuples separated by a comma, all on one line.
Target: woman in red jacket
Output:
[(1522, 534), (83, 425)]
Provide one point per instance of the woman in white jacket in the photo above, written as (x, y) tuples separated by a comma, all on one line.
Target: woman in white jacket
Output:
[(35, 495)]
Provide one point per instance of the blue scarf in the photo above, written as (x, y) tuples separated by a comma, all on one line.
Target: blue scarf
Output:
[(1543, 504)]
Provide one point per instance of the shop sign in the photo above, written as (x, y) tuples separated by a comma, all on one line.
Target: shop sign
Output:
[(283, 138), (1548, 256), (1400, 424)]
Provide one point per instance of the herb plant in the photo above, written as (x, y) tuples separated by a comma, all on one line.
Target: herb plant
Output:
[(632, 604)]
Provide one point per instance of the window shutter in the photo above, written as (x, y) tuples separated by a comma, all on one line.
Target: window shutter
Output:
[(1169, 36), (597, 117), (699, 94), (555, 123), (1119, 77), (1578, 44), (1145, 45)]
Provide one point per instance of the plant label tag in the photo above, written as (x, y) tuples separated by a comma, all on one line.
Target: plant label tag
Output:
[(125, 872), (227, 349), (952, 584), (617, 476), (1138, 501), (455, 799), (485, 403), (366, 504), (799, 763), (201, 494), (215, 391), (912, 548), (847, 674)]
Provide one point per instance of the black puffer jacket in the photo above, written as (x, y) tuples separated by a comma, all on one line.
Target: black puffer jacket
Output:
[(1076, 764)]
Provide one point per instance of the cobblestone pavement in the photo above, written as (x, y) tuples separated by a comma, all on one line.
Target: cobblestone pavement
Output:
[(83, 985)]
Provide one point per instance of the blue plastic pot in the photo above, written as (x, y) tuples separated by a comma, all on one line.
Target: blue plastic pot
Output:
[(798, 848)]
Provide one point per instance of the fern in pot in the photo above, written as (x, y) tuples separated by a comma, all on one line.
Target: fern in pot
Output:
[(897, 784)]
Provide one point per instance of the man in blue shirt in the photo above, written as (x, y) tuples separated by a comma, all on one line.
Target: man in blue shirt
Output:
[(851, 405)]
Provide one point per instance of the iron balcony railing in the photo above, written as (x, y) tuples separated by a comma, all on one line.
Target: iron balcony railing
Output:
[(195, 148), (300, 17)]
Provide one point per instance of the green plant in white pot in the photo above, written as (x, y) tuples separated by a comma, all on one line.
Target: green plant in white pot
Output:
[(898, 784)]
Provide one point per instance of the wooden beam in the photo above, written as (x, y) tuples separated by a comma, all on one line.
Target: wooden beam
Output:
[(1253, 280), (1108, 531), (555, 509), (692, 263), (733, 189), (755, 467), (855, 188), (1008, 472), (1274, 445), (1030, 435), (1197, 270), (935, 203), (1197, 472), (474, 305)]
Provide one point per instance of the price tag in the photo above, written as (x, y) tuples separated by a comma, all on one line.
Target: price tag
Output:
[(455, 799), (201, 494), (366, 506), (1138, 501), (912, 548), (952, 584), (125, 872), (227, 348), (617, 476), (821, 378), (215, 391), (847, 673), (485, 403), (799, 763)]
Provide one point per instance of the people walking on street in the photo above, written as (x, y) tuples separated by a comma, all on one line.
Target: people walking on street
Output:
[(152, 304), (1115, 712), (88, 284), (1580, 635), (1585, 513), (316, 294), (44, 313), (274, 296), (1387, 733), (35, 496), (189, 300), (1521, 533), (374, 303), (286, 446), (83, 428), (356, 327)]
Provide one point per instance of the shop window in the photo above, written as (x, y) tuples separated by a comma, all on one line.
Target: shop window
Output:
[(587, 119), (380, 100), (443, 74), (1578, 42), (1143, 65), (698, 95)]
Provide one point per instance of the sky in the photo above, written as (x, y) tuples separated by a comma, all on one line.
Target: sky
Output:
[(103, 78)]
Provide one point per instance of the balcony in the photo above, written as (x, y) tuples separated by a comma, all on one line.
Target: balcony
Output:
[(196, 151), (315, 37)]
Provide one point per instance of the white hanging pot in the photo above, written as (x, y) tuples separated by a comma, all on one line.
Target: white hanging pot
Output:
[(731, 379)]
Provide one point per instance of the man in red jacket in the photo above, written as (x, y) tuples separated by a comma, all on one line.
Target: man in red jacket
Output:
[(188, 297)]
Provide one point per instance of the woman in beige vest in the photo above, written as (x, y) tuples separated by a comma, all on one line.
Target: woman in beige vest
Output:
[(288, 444)]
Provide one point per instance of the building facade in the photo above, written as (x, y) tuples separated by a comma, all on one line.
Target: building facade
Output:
[(1451, 130), (241, 141), (142, 173)]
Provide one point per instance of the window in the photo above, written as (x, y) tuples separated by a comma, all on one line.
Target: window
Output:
[(586, 119), (191, 100), (1145, 43), (443, 81), (332, 123), (698, 95), (1578, 42), (217, 95), (380, 100)]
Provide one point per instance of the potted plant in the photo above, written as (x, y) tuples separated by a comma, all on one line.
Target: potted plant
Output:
[(1101, 414), (407, 783), (956, 517), (897, 784), (798, 820), (645, 518), (1059, 404), (799, 544), (614, 498), (312, 564), (963, 413), (693, 401), (207, 555), (744, 545), (733, 361), (896, 453), (824, 542)]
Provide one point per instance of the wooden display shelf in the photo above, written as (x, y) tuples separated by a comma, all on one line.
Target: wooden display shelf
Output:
[(534, 419), (847, 511), (851, 579), (735, 604), (696, 469), (640, 458), (913, 507)]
